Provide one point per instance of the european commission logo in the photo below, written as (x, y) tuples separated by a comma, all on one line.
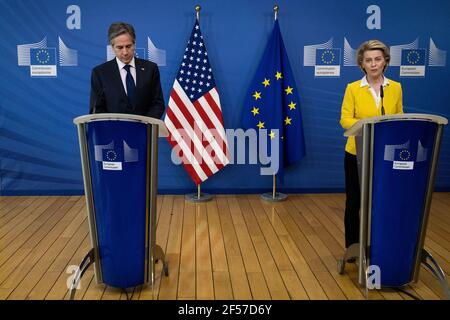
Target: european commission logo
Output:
[(112, 158), (413, 63), (42, 60), (409, 57), (152, 53), (412, 60), (402, 157), (325, 59)]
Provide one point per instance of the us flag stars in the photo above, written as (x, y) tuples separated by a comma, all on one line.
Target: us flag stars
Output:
[(195, 75)]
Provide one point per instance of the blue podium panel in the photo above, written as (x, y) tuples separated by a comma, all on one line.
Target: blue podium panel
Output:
[(402, 155), (118, 159)]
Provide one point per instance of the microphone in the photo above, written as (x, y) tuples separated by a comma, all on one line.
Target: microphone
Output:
[(99, 101), (382, 96)]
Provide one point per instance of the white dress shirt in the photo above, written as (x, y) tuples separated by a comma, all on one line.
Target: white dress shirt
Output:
[(376, 96), (123, 72)]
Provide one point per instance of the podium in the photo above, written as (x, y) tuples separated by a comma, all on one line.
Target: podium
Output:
[(397, 161), (119, 155)]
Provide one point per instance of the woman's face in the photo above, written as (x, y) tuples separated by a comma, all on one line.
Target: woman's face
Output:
[(374, 63)]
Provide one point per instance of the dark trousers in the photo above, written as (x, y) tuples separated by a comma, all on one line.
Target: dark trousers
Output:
[(353, 199)]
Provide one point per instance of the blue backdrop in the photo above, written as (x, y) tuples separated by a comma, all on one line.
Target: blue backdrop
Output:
[(41, 91)]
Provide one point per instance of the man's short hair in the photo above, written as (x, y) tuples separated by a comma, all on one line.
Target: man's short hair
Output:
[(118, 28)]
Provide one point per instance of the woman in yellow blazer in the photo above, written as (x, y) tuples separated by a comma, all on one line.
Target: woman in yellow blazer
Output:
[(363, 99)]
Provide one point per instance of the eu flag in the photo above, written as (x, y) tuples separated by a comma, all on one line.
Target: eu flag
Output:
[(44, 56), (272, 103), (413, 57), (328, 57), (112, 155)]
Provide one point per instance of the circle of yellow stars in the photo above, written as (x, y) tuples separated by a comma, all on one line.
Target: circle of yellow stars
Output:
[(327, 57), (413, 57), (257, 95), (44, 55), (405, 154), (111, 155)]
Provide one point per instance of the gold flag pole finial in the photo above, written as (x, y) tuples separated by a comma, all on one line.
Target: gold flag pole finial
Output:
[(276, 8), (197, 11)]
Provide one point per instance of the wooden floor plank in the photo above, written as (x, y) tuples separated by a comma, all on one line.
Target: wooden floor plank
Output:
[(20, 221), (260, 212), (233, 247), (8, 203), (243, 235), (221, 275), (432, 283), (204, 276), (35, 246), (55, 244), (252, 266), (300, 230), (258, 286), (321, 215), (59, 265), (187, 280), (73, 254), (266, 259), (238, 277), (162, 238), (295, 288), (169, 285), (14, 209)]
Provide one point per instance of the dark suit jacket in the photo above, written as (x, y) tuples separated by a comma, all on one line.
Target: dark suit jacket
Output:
[(108, 94)]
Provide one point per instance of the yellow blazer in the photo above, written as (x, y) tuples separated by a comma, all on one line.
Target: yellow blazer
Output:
[(359, 103)]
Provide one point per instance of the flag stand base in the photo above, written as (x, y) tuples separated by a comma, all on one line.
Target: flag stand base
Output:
[(268, 196), (193, 197)]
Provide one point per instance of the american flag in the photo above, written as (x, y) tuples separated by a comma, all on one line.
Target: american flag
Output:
[(194, 116)]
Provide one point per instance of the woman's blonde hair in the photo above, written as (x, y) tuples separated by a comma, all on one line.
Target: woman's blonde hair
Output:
[(372, 45)]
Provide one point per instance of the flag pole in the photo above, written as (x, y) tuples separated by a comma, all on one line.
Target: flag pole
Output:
[(199, 196), (274, 196), (197, 12), (274, 186)]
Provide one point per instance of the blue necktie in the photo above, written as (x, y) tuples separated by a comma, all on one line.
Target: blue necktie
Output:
[(131, 87)]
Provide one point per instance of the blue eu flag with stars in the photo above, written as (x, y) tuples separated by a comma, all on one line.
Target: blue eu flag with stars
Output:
[(328, 57), (272, 103), (44, 56), (413, 57)]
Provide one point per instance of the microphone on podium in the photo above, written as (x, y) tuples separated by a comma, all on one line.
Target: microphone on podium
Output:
[(382, 96), (99, 101)]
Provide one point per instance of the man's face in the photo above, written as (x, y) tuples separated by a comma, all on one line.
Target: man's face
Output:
[(123, 47)]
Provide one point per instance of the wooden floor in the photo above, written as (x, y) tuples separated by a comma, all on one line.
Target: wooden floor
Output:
[(234, 247)]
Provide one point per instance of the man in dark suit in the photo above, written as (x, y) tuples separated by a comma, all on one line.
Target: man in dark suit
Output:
[(126, 84)]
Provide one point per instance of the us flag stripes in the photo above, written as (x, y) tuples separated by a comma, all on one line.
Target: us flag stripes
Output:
[(194, 115)]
